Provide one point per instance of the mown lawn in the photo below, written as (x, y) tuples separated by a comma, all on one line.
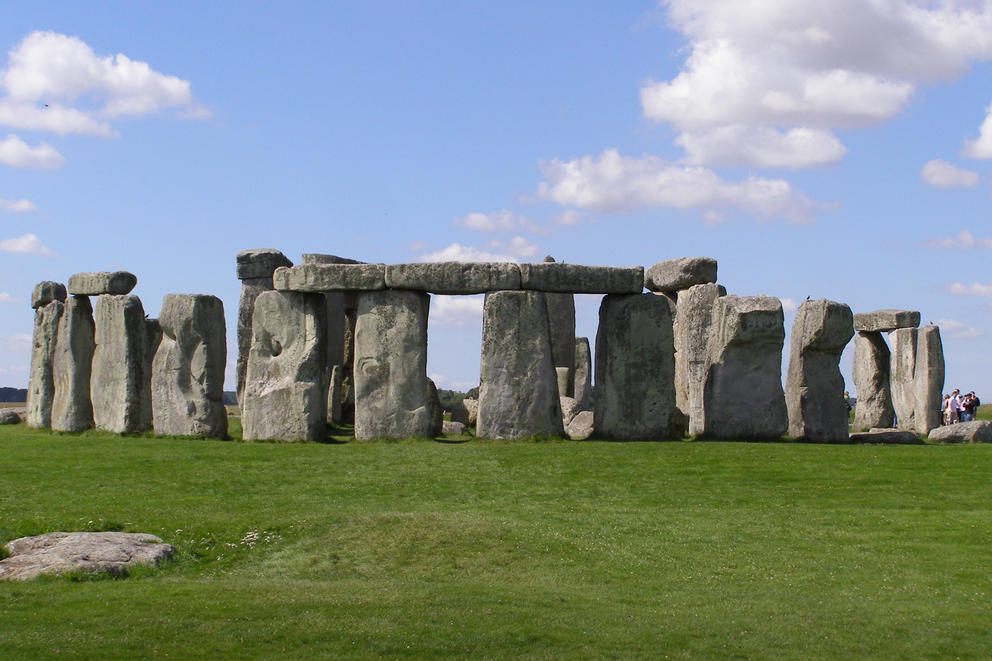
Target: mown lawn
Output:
[(507, 550)]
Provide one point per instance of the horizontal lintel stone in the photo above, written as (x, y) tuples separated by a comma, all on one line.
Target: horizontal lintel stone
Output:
[(886, 320), (580, 279), (102, 282), (674, 275), (454, 277), (318, 278), (318, 258)]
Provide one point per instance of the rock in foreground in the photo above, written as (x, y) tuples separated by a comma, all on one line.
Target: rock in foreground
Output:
[(58, 552)]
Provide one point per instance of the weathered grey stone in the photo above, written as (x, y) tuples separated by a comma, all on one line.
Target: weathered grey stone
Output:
[(886, 435), (562, 375), (561, 322), (71, 407), (518, 394), (569, 409), (674, 275), (319, 258), (635, 370), (45, 292), (60, 552), (454, 277), (928, 379), (581, 425), (41, 380), (693, 317), (320, 278), (334, 395), (119, 380), (116, 283), (579, 279), (814, 386), (9, 417), (976, 431), (188, 367), (437, 413), (284, 394), (259, 263), (153, 338), (348, 378), (871, 379), (742, 395), (902, 375), (393, 396), (453, 428), (466, 411), (582, 376), (881, 321)]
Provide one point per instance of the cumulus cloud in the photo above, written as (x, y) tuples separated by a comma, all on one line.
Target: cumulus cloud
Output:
[(974, 289), (612, 182), (806, 65), (17, 206), (456, 252), (502, 220), (963, 239), (456, 311), (17, 153), (518, 246), (942, 174), (957, 330), (54, 82), (29, 243), (981, 147)]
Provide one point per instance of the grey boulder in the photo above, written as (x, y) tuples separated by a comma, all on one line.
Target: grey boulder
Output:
[(9, 417), (60, 552), (581, 426), (674, 275), (886, 435), (466, 411), (976, 431), (453, 428)]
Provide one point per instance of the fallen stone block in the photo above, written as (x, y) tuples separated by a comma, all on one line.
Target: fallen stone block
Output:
[(116, 283), (976, 431), (454, 277), (450, 427), (569, 409), (321, 278), (579, 279), (886, 435), (72, 409), (881, 321), (60, 552), (674, 275), (9, 417), (581, 426), (45, 292)]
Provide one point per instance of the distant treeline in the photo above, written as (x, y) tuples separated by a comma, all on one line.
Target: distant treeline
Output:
[(13, 394)]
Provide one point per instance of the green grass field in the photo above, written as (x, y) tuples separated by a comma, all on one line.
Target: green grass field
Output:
[(506, 550)]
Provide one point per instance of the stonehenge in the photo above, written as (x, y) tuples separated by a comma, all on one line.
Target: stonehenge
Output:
[(335, 340)]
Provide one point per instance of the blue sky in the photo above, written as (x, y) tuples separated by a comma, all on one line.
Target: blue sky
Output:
[(814, 149)]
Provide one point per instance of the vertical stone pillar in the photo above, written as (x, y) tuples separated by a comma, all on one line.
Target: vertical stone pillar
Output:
[(284, 397), (518, 391), (188, 368), (871, 380), (334, 395), (120, 380), (254, 269), (742, 395), (693, 316), (902, 375), (71, 408), (814, 387), (583, 374), (635, 370), (393, 396), (561, 323), (47, 301), (928, 379)]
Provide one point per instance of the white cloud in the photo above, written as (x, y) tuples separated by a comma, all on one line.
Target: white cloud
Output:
[(981, 147), (942, 174), (518, 246), (570, 217), (49, 73), (974, 289), (17, 206), (28, 243), (444, 383), (16, 153), (788, 305), (963, 239), (613, 182), (7, 298), (957, 330), (459, 253), (809, 66), (760, 146), (497, 221), (456, 311)]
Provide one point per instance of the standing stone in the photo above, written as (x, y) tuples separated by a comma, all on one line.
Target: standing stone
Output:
[(902, 375), (742, 394), (693, 316), (518, 393), (562, 376), (41, 381), (583, 374), (871, 380), (635, 370), (561, 319), (465, 412), (814, 387), (119, 382), (188, 367), (45, 292), (928, 378), (437, 413), (334, 395), (393, 396), (254, 269), (71, 408), (153, 338), (351, 300), (284, 396)]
